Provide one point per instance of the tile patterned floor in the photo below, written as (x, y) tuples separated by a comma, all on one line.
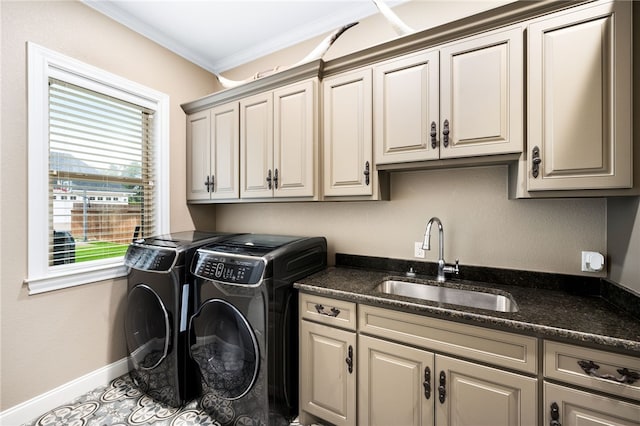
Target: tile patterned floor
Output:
[(122, 404)]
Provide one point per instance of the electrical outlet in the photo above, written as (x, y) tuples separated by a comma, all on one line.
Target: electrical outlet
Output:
[(418, 251)]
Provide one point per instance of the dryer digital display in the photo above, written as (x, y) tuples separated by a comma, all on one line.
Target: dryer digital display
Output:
[(229, 269)]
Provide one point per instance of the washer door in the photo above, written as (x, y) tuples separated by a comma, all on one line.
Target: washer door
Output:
[(225, 348), (147, 328)]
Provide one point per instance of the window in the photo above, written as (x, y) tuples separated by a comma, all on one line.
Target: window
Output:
[(93, 138)]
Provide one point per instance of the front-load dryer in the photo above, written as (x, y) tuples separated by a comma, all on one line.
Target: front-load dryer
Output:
[(159, 303), (244, 333)]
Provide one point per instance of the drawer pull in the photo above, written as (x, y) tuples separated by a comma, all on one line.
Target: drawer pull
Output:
[(334, 311), (555, 415), (626, 376)]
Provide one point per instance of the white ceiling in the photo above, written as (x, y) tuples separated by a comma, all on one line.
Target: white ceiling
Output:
[(221, 34)]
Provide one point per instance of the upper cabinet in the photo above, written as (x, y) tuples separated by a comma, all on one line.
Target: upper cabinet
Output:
[(448, 96), (348, 143), (212, 154), (481, 95), (580, 99), (464, 99), (407, 108), (279, 142)]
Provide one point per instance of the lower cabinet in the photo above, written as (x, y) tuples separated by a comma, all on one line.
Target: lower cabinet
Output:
[(565, 406), (327, 361), (403, 377), (328, 387), (403, 369), (395, 384), (597, 373), (403, 385)]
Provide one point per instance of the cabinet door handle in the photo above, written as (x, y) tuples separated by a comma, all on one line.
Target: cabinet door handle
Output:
[(626, 376), (433, 134), (349, 359), (320, 309), (366, 173), (555, 415), (427, 382), (209, 184), (275, 179), (442, 389), (445, 133), (536, 160), (269, 180)]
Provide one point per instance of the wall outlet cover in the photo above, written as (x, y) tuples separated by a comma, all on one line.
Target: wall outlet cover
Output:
[(418, 251)]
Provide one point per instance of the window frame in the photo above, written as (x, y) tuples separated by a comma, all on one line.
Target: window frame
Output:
[(42, 64)]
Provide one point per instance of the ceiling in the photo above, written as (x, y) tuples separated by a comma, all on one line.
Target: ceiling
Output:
[(221, 34)]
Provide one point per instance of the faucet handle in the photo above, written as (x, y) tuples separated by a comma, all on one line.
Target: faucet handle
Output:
[(453, 269)]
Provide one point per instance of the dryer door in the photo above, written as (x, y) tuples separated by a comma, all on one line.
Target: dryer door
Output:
[(147, 328), (225, 348)]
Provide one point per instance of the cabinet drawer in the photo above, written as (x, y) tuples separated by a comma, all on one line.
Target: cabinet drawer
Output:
[(562, 362), (328, 311), (503, 349)]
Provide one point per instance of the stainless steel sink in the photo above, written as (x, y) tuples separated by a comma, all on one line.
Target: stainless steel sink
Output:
[(455, 296)]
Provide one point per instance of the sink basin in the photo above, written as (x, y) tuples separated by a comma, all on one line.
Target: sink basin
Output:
[(455, 296)]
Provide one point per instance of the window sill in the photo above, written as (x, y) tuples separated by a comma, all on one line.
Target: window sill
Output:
[(74, 277)]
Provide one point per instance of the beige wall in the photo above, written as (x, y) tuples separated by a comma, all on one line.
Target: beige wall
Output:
[(481, 226), (53, 338)]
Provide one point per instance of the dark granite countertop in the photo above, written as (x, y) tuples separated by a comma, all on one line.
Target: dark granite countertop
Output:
[(585, 319)]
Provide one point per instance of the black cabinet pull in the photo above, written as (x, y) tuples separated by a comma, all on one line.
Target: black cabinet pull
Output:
[(555, 415), (427, 382), (445, 133), (536, 160), (334, 312), (626, 376), (349, 359), (275, 179), (433, 134), (209, 183), (269, 180), (442, 389), (366, 173)]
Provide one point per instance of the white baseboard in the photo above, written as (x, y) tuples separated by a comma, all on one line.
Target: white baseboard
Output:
[(39, 405)]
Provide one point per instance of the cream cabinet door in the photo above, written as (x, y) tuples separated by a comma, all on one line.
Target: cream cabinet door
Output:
[(570, 407), (225, 148), (406, 108), (348, 142), (327, 384), (469, 394), (198, 155), (481, 94), (256, 146), (580, 100), (395, 384), (295, 140)]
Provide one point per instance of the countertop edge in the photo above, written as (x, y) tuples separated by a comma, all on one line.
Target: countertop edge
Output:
[(488, 321)]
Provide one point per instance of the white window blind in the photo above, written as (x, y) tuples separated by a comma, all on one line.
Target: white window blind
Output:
[(101, 174)]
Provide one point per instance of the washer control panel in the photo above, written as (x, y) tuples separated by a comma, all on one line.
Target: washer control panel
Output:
[(228, 268), (147, 258)]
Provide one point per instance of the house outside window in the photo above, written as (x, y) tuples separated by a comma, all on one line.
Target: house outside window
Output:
[(98, 154)]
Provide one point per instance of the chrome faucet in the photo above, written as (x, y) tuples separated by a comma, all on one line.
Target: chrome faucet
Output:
[(426, 245)]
